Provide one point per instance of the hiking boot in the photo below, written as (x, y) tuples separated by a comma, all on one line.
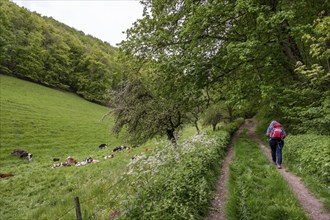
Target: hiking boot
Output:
[(279, 167)]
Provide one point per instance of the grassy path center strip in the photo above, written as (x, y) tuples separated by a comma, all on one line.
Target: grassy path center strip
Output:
[(256, 189)]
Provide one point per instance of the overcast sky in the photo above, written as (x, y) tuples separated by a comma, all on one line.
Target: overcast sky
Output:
[(103, 19)]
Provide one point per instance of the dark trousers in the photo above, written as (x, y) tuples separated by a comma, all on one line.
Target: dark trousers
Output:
[(276, 146)]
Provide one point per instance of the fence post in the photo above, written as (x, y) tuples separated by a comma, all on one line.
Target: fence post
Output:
[(77, 206)]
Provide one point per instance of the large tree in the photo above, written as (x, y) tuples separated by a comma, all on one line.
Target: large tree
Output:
[(144, 114)]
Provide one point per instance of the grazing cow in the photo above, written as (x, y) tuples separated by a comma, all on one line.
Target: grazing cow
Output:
[(4, 175), (57, 165), (108, 156), (22, 154), (56, 159), (86, 161), (119, 148), (103, 146)]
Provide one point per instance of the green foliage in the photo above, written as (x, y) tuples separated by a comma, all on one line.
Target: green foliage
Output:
[(143, 114), (308, 103), (152, 101), (213, 115), (43, 50), (233, 126), (307, 108), (318, 44), (257, 190), (304, 110), (307, 111), (310, 154), (183, 194)]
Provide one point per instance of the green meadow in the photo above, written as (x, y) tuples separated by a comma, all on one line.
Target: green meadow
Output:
[(51, 123)]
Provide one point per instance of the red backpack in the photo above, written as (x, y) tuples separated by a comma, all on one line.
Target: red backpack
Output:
[(276, 132)]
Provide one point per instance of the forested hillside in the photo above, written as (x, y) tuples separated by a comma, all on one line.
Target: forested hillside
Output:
[(43, 50)]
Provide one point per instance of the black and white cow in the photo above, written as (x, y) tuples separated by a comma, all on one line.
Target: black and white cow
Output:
[(103, 146), (119, 148), (108, 156), (22, 154), (86, 161)]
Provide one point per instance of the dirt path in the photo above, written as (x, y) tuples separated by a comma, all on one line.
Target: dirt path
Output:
[(313, 207), (218, 203)]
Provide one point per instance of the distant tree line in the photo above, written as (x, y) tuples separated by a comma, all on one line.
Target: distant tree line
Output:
[(43, 50)]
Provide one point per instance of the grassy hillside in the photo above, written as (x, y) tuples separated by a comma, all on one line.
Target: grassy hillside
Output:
[(50, 123), (37, 118)]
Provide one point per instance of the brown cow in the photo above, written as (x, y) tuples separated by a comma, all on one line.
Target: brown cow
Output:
[(4, 175)]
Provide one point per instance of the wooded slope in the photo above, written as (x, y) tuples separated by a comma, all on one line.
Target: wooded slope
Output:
[(43, 50)]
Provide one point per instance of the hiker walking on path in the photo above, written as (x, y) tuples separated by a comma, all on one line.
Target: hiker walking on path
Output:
[(276, 134)]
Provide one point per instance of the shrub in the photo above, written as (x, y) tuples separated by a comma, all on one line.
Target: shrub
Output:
[(233, 126), (310, 154), (176, 184)]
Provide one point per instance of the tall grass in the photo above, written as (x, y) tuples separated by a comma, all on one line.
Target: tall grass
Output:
[(257, 190), (308, 156)]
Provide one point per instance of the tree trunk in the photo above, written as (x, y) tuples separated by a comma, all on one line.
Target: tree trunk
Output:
[(197, 128), (289, 45), (170, 136), (214, 126), (230, 113)]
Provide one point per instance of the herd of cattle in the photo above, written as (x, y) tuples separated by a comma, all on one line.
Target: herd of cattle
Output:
[(70, 161)]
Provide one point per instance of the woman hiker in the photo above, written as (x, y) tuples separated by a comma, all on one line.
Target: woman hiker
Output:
[(276, 134)]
